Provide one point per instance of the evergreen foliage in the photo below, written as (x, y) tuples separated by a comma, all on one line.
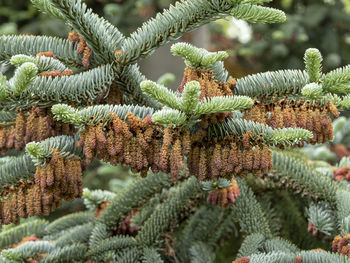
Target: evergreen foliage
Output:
[(212, 161)]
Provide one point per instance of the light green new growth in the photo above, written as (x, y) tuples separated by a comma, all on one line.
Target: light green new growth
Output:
[(313, 66), (169, 117), (312, 91), (66, 114), (24, 76), (190, 96), (258, 14), (223, 104), (160, 94), (197, 57), (337, 81)]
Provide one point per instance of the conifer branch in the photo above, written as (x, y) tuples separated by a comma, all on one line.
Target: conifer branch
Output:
[(313, 67), (63, 50), (91, 28), (43, 63), (251, 219), (268, 84), (167, 211), (171, 24), (258, 14), (127, 201), (15, 234)]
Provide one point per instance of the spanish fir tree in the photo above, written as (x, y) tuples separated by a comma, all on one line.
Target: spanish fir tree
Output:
[(214, 159)]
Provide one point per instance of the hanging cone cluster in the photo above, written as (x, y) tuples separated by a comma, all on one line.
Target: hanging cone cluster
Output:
[(212, 161), (60, 179), (340, 245), (7, 138), (38, 125), (141, 144), (137, 143), (24, 201), (224, 196), (342, 173), (82, 48), (302, 114), (209, 88), (312, 229)]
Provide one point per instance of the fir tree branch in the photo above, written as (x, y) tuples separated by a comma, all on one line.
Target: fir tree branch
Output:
[(126, 200), (15, 169), (251, 219), (337, 81), (63, 50), (101, 36), (71, 253), (258, 14), (15, 234), (69, 221), (251, 245), (43, 63), (150, 255), (28, 249), (268, 84), (184, 17), (168, 211), (317, 184)]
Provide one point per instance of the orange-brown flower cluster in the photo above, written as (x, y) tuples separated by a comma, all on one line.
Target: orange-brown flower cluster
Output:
[(340, 245), (312, 229), (211, 161), (298, 259), (45, 54), (56, 73), (209, 85), (302, 115), (60, 179), (82, 48), (342, 173), (38, 125), (7, 138), (242, 260), (137, 143), (209, 88), (53, 73), (224, 196)]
